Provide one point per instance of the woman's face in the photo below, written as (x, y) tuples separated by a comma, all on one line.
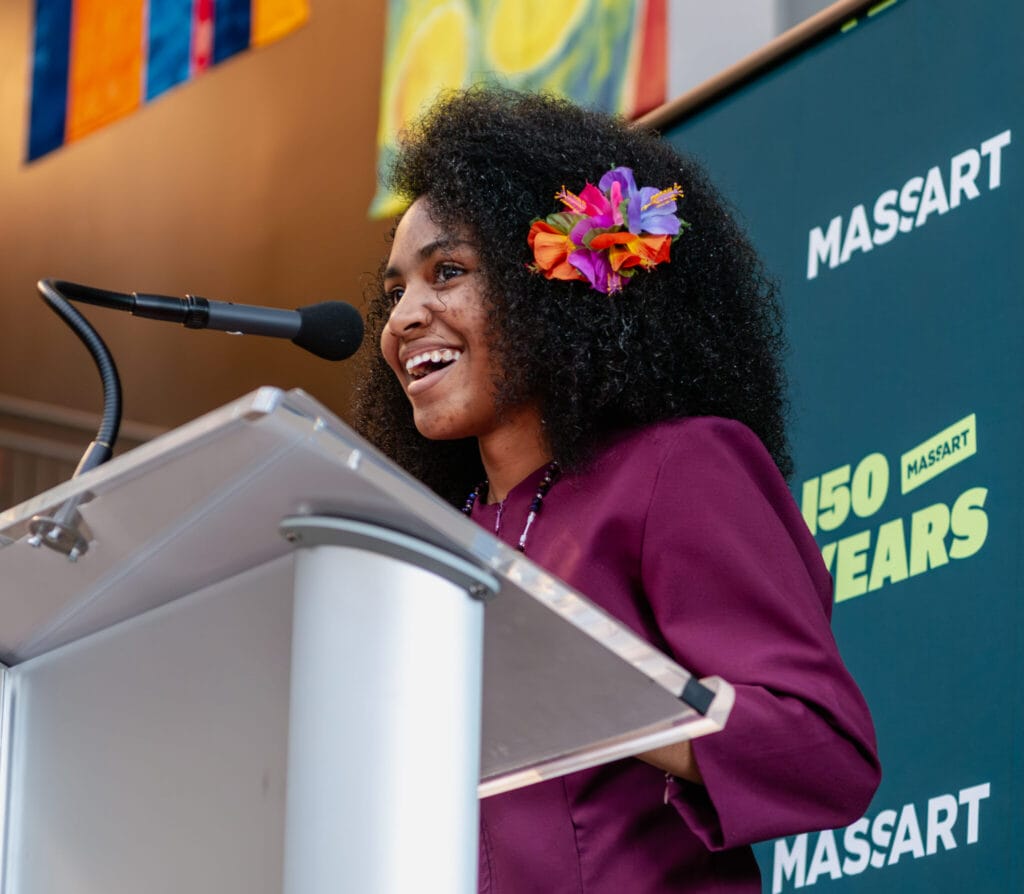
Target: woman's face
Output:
[(436, 338)]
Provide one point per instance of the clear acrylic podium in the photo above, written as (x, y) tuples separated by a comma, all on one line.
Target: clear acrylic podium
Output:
[(284, 665)]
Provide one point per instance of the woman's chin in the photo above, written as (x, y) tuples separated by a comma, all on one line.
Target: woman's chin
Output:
[(440, 429)]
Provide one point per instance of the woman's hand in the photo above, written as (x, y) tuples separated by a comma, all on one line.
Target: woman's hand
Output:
[(677, 759)]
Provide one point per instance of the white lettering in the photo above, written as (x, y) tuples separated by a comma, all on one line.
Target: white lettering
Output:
[(789, 863), (825, 859), (901, 211), (971, 797), (886, 215), (933, 197), (963, 171), (824, 246), (882, 841), (942, 813), (907, 838), (855, 842), (858, 234), (910, 195), (881, 836), (993, 147)]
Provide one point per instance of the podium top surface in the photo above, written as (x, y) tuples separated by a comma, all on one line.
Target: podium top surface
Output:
[(204, 502)]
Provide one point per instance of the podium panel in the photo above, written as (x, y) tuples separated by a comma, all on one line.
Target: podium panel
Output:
[(148, 716), (151, 756)]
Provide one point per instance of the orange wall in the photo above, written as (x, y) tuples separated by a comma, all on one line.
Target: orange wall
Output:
[(249, 184)]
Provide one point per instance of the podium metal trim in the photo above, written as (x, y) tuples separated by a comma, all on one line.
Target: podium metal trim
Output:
[(320, 530)]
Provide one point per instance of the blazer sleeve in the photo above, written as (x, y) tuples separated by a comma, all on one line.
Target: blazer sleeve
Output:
[(738, 589)]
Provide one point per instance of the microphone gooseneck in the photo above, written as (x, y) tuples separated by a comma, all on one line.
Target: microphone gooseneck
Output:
[(102, 446), (61, 531), (333, 330)]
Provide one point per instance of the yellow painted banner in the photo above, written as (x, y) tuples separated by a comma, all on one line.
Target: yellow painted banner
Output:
[(604, 54)]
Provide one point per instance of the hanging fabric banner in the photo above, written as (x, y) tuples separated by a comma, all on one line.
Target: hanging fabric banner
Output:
[(604, 55), (95, 61)]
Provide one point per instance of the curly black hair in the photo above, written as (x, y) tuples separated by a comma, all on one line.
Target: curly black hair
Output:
[(700, 335)]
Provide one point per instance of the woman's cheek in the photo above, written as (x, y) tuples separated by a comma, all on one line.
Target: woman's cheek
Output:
[(389, 350)]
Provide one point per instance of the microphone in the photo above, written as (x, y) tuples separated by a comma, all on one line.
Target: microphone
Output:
[(333, 330)]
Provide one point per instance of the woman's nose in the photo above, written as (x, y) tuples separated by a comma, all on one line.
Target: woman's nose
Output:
[(416, 308)]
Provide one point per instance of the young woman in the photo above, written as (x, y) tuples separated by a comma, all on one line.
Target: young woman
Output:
[(579, 348)]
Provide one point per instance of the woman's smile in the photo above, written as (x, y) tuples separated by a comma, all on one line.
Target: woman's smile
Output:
[(427, 368)]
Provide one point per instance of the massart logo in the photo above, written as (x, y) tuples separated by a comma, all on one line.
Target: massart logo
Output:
[(901, 210), (914, 830), (910, 544)]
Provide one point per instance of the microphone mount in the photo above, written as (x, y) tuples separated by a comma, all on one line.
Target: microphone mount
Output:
[(62, 530), (331, 330)]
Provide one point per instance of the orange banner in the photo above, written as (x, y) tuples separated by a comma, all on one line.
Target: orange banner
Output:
[(104, 86), (272, 19)]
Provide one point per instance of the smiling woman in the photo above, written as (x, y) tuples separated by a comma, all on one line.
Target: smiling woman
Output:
[(437, 344), (578, 343), (697, 336)]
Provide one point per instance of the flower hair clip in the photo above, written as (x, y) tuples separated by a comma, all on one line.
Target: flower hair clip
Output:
[(607, 232)]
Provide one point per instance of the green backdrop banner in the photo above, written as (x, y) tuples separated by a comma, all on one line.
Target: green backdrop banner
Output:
[(879, 174)]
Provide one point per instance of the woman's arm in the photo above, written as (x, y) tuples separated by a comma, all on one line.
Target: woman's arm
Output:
[(738, 589)]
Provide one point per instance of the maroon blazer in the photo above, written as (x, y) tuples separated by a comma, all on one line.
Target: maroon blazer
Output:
[(686, 532)]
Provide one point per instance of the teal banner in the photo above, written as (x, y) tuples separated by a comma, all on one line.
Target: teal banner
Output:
[(879, 175)]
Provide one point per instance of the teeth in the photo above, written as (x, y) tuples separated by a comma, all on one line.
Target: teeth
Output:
[(447, 355)]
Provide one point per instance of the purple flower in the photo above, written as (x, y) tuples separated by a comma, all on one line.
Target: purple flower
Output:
[(654, 211), (595, 266), (622, 176), (581, 229)]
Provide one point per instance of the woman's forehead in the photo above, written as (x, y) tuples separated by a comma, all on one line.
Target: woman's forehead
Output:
[(420, 234)]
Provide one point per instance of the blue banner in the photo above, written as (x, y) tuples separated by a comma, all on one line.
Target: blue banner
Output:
[(170, 45), (885, 194), (51, 59)]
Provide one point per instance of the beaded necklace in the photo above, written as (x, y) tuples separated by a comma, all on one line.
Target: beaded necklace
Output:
[(550, 474)]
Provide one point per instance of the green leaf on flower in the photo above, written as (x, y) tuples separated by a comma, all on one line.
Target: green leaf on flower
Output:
[(597, 231), (563, 221)]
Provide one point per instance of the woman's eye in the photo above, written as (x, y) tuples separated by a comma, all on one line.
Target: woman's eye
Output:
[(394, 295), (447, 271)]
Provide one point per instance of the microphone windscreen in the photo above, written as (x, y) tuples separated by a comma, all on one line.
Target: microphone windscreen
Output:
[(331, 329)]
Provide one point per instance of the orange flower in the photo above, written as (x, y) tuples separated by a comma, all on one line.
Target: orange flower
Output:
[(551, 249), (629, 250)]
